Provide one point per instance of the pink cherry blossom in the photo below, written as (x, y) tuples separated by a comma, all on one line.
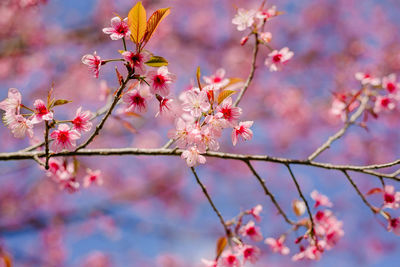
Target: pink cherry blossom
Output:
[(13, 102), (193, 156), (160, 81), (215, 124), (390, 83), (137, 60), (242, 130), (228, 112), (217, 79), (19, 125), (135, 100), (277, 246), (394, 225), (92, 177), (320, 200), (367, 79), (208, 138), (82, 122), (41, 112), (384, 103), (267, 14), (256, 212), (229, 259), (251, 231), (94, 62), (328, 228), (119, 28), (277, 58), (391, 197), (196, 103), (266, 37), (250, 253), (312, 252), (165, 105), (244, 19), (64, 138)]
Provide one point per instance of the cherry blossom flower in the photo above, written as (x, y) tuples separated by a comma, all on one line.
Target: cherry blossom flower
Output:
[(209, 263), (82, 122), (384, 103), (320, 200), (242, 130), (228, 112), (277, 246), (394, 225), (244, 19), (196, 103), (119, 28), (215, 124), (250, 253), (137, 60), (251, 231), (266, 37), (13, 102), (92, 177), (208, 138), (391, 198), (277, 58), (312, 252), (41, 112), (267, 14), (366, 78), (390, 83), (94, 62), (229, 259), (64, 137), (160, 81), (256, 212), (193, 156), (339, 106), (165, 104), (135, 100), (19, 125), (328, 228), (217, 79)]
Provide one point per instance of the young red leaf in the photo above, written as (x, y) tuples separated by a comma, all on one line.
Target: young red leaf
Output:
[(154, 21)]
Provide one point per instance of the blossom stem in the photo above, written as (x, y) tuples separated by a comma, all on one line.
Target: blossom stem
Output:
[(46, 142)]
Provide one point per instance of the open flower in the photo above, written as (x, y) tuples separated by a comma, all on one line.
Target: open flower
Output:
[(217, 79), (244, 19), (193, 156), (277, 246), (64, 138), (251, 231), (384, 103), (92, 177), (160, 81), (196, 103), (82, 122), (320, 199), (136, 60), (94, 63), (13, 102), (229, 259), (19, 125), (391, 197), (135, 100), (250, 253), (366, 78), (119, 28), (242, 130), (41, 112), (228, 112), (277, 58)]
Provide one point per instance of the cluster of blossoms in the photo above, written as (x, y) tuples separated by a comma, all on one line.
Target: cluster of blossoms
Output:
[(240, 250), (207, 110), (255, 21), (391, 200), (322, 235), (383, 94)]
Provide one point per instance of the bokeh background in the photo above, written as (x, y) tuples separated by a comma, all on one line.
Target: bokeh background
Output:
[(150, 211)]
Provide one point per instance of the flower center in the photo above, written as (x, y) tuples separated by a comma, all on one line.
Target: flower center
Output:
[(389, 198), (277, 58), (63, 136), (159, 80)]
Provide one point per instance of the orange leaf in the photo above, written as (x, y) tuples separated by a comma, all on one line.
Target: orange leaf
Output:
[(374, 191), (198, 74), (7, 260), (137, 22), (224, 94), (221, 244), (154, 21)]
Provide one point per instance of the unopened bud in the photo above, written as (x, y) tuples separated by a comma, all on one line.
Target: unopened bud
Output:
[(244, 40), (298, 207)]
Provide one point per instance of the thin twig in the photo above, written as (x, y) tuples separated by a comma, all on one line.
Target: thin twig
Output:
[(312, 232), (342, 131), (374, 210), (108, 113), (36, 158), (46, 143), (251, 75), (267, 192), (227, 231)]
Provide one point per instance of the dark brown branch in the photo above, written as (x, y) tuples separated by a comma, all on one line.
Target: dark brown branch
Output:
[(227, 231), (46, 143), (268, 193), (312, 232)]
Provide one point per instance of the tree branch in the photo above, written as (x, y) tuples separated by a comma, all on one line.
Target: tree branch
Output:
[(267, 192), (342, 131), (227, 231)]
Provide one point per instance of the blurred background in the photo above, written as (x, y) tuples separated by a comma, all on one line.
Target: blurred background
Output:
[(150, 211)]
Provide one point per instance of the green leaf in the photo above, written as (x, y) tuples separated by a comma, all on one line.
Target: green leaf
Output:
[(60, 102), (156, 61)]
